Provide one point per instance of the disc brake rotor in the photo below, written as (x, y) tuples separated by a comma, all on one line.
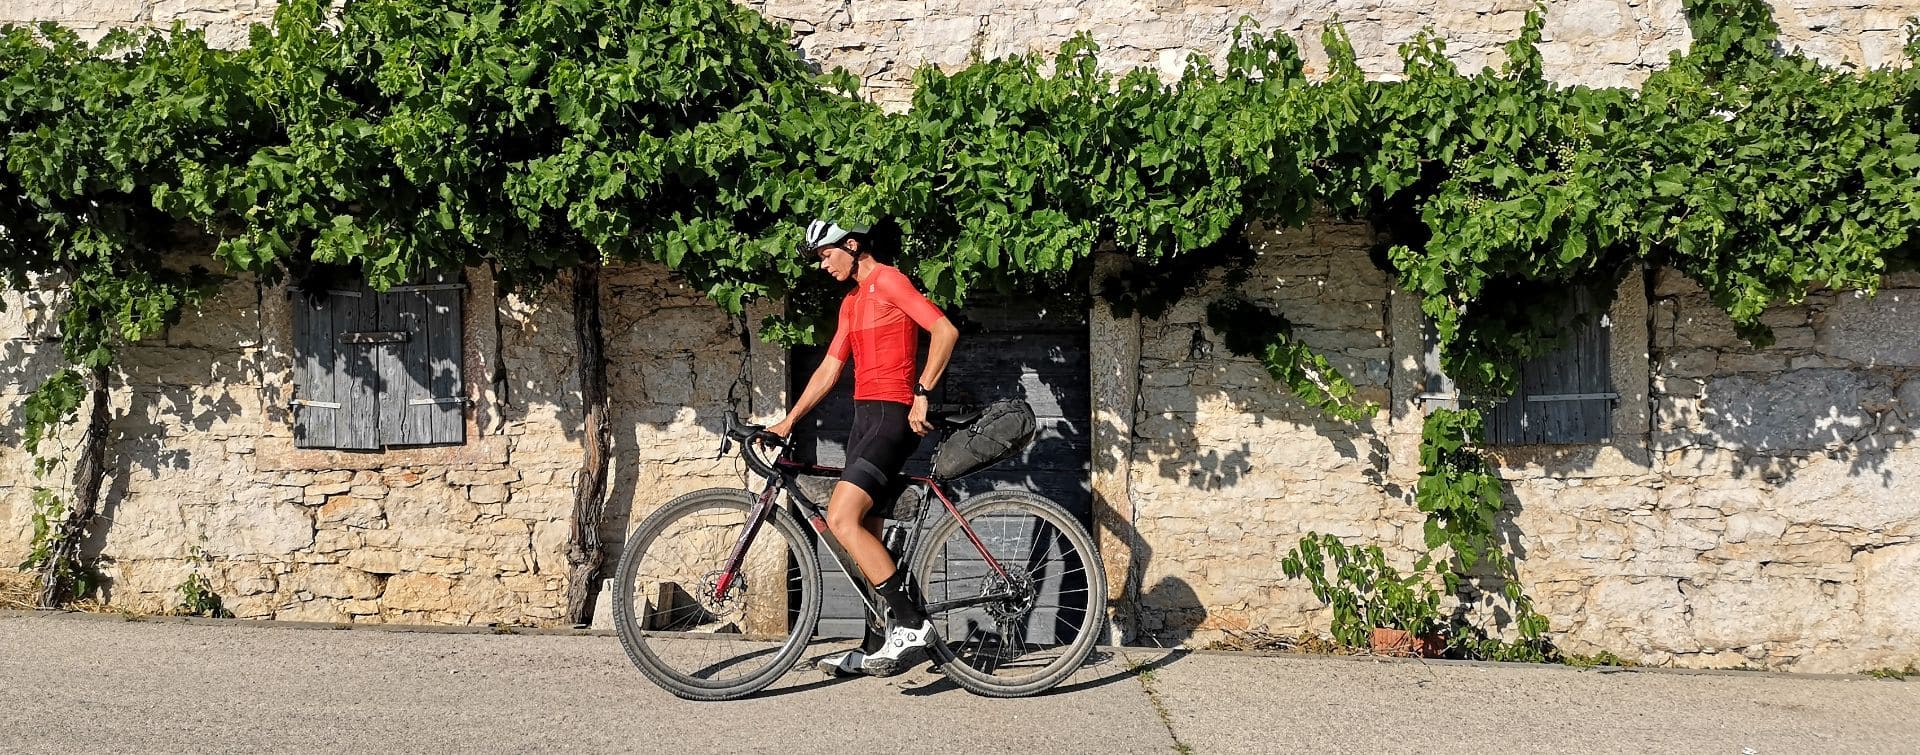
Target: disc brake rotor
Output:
[(734, 599), (1017, 585)]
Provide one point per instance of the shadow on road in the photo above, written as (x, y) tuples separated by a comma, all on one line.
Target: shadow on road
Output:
[(1118, 673), (798, 688)]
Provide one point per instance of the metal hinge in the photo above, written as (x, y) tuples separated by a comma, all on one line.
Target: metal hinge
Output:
[(309, 402), (374, 337), (1546, 397), (431, 287), (291, 290), (461, 400)]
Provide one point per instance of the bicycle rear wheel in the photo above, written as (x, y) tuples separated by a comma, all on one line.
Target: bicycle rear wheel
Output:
[(1050, 605), (682, 629)]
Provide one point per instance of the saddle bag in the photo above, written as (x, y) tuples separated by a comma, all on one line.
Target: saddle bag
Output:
[(1005, 428)]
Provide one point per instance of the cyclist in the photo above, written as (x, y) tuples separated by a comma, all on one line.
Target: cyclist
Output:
[(879, 324)]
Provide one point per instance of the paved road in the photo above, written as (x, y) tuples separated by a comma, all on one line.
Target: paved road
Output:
[(93, 684)]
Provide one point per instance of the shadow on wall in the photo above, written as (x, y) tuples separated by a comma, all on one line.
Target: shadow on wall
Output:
[(1821, 415), (1221, 451)]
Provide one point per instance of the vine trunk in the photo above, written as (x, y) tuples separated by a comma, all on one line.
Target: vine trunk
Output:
[(91, 474), (584, 554)]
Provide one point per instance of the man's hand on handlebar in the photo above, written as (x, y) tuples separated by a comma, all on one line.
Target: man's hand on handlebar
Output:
[(783, 429)]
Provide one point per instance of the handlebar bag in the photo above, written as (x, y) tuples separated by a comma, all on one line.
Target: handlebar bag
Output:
[(1005, 428)]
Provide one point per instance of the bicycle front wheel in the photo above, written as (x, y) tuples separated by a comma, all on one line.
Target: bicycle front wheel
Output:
[(697, 632), (1041, 615)]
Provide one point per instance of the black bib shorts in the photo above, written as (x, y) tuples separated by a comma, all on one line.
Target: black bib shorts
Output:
[(877, 450)]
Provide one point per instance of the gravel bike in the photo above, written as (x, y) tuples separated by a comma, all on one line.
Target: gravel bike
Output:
[(718, 591)]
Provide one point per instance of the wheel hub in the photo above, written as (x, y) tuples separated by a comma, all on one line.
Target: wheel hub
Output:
[(1017, 585), (732, 600)]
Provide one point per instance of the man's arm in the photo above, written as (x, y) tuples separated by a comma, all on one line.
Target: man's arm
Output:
[(818, 386), (939, 350)]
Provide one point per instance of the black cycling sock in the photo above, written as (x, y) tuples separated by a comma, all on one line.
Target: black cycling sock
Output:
[(894, 590)]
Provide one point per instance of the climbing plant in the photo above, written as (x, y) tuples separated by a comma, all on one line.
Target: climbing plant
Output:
[(394, 136)]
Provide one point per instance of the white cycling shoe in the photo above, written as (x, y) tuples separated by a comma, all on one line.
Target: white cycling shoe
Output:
[(849, 663), (904, 645)]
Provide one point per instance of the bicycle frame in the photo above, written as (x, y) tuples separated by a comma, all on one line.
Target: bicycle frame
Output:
[(765, 505)]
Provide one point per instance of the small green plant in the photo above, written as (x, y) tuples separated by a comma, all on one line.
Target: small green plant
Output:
[(47, 515), (197, 597), (1365, 591), (1892, 674), (1602, 658)]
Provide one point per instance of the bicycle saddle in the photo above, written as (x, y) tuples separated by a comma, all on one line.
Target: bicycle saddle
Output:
[(957, 420)]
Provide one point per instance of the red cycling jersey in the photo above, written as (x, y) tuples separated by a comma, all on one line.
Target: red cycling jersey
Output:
[(880, 324)]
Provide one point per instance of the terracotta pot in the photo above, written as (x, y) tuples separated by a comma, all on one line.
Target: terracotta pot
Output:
[(1398, 642)]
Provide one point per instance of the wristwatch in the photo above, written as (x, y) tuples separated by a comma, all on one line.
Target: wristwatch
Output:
[(921, 390)]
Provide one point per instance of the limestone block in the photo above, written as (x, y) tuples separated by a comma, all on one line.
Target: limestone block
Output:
[(1753, 526), (429, 506), (335, 541), (813, 11), (400, 478), (1770, 610), (347, 511), (159, 576), (546, 502), (1871, 493), (1688, 363), (1761, 362), (1889, 602), (245, 528), (1908, 398), (1703, 326), (1874, 331), (115, 12), (373, 560), (1804, 409), (418, 592), (487, 493), (1650, 612), (318, 609), (550, 547), (248, 578), (329, 581), (226, 320), (259, 606), (367, 492), (483, 477)]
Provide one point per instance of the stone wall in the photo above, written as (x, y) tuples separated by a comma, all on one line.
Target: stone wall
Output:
[(1593, 42), (206, 479), (1226, 467), (1754, 506)]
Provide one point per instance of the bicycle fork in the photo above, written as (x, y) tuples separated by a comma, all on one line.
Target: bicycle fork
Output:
[(755, 517)]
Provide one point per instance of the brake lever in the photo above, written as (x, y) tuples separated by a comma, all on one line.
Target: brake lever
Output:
[(726, 446)]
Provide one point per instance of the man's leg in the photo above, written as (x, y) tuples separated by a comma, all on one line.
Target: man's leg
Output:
[(910, 630), (857, 532)]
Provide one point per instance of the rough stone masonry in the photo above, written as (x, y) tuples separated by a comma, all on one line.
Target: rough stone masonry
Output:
[(1754, 507)]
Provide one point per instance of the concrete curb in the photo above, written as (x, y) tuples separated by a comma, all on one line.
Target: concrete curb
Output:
[(1151, 655)]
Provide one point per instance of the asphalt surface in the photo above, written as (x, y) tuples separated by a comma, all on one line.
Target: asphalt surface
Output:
[(76, 684)]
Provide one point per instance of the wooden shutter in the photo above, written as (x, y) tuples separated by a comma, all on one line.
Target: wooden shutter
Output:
[(1565, 396), (422, 398), (379, 369), (315, 410), (334, 399)]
